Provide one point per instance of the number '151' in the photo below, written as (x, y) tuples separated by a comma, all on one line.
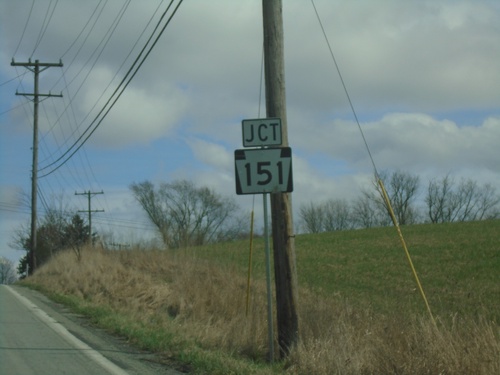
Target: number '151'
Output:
[(264, 174)]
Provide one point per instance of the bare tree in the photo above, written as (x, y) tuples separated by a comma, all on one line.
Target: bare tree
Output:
[(337, 215), (153, 202), (438, 199), (366, 213), (487, 203), (402, 190), (329, 216), (312, 218), (186, 215), (7, 271), (464, 200), (447, 201)]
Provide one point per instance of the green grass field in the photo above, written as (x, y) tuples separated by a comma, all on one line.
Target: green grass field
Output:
[(359, 308), (458, 265)]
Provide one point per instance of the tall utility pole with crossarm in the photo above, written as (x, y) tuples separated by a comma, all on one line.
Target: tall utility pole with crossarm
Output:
[(36, 67), (90, 211)]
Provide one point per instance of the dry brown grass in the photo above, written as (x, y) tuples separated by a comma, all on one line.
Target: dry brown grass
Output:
[(205, 303), (360, 343)]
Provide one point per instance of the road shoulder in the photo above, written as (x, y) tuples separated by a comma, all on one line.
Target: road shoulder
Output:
[(116, 349)]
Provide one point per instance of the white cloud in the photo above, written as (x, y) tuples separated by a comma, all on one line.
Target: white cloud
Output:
[(211, 154), (396, 56), (139, 116), (401, 140), (422, 75)]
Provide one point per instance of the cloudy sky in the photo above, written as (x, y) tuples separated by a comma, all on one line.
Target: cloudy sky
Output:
[(423, 77)]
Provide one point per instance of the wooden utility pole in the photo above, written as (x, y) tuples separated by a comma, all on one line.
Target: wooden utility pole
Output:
[(89, 210), (281, 206), (35, 68)]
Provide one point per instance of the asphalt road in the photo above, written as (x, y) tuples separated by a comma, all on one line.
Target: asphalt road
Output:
[(39, 337)]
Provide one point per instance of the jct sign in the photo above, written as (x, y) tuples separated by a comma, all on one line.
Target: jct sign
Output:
[(261, 132), (261, 171)]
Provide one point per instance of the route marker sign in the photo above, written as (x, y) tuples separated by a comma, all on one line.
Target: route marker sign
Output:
[(261, 132), (260, 171)]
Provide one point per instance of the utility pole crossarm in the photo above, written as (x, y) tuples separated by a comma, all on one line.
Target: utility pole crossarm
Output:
[(29, 64), (45, 95)]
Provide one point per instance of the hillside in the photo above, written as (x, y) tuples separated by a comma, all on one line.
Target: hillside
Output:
[(360, 311)]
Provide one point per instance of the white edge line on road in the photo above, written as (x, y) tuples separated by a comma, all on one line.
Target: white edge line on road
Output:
[(64, 333)]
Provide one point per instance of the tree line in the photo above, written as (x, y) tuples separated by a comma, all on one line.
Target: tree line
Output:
[(445, 200), (185, 215)]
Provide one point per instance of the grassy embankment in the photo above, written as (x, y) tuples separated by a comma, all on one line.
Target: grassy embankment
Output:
[(360, 311)]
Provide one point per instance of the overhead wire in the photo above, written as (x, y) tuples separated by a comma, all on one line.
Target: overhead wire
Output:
[(67, 85), (45, 26), (42, 32), (25, 27), (13, 78), (68, 66), (83, 29), (122, 223), (70, 106), (72, 110), (42, 199), (72, 97), (345, 89), (10, 207), (380, 183), (78, 176), (13, 108), (105, 39), (118, 90)]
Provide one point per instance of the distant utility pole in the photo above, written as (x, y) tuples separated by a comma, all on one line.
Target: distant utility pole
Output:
[(89, 195), (281, 205), (36, 67), (119, 245)]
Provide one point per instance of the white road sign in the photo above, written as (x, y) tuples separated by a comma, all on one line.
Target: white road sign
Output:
[(261, 171), (261, 132)]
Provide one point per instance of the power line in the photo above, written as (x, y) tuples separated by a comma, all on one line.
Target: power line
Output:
[(106, 38), (100, 50), (25, 27), (106, 111), (81, 32), (345, 89), (12, 79), (110, 98), (44, 25), (72, 97), (11, 109), (114, 222)]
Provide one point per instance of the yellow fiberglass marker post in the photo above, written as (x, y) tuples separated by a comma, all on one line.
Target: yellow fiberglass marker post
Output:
[(395, 222)]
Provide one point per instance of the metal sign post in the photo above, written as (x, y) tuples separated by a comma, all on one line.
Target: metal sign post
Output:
[(270, 331)]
